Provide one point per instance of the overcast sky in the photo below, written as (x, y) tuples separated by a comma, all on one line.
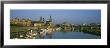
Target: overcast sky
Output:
[(60, 15)]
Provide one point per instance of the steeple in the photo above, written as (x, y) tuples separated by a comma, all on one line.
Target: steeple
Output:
[(40, 18), (50, 19)]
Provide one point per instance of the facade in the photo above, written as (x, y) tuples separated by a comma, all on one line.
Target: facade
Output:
[(38, 24), (65, 26), (42, 23), (20, 22)]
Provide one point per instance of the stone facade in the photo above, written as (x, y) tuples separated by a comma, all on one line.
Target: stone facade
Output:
[(27, 22), (20, 22)]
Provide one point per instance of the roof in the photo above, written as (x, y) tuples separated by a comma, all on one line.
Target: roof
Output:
[(37, 22)]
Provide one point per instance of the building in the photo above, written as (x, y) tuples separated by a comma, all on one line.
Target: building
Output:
[(49, 23), (39, 23), (14, 21), (65, 26), (20, 22), (42, 23)]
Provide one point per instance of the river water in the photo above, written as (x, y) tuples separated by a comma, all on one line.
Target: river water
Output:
[(71, 35)]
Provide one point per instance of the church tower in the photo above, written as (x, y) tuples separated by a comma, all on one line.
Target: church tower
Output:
[(40, 18), (50, 19)]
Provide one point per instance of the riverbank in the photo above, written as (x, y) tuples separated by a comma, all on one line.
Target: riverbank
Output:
[(94, 32), (17, 31)]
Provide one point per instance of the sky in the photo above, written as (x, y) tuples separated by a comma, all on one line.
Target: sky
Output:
[(59, 16)]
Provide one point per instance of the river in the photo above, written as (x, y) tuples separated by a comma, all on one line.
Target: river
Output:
[(71, 35)]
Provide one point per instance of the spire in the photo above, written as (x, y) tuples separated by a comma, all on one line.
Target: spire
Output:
[(50, 19), (40, 18)]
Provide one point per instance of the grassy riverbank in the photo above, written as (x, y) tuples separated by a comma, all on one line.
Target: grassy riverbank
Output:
[(94, 32)]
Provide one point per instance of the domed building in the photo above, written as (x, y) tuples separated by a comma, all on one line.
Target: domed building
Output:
[(42, 23)]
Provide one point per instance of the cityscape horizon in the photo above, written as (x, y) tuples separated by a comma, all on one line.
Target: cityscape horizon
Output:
[(58, 16), (55, 24)]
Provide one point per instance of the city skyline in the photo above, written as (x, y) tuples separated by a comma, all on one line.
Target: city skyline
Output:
[(60, 15)]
